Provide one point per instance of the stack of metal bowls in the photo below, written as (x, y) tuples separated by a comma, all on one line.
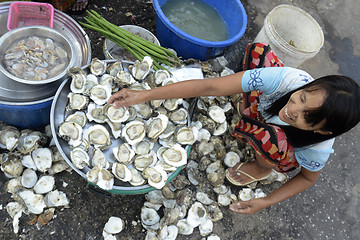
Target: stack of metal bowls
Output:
[(30, 99)]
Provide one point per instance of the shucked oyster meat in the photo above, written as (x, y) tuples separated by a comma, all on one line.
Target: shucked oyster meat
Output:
[(134, 132), (98, 136)]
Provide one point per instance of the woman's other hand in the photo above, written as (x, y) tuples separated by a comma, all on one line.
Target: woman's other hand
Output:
[(127, 97), (249, 207)]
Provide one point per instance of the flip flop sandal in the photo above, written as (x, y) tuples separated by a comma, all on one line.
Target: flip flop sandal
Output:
[(239, 172)]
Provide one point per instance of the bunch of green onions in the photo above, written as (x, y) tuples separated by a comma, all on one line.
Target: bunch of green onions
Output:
[(135, 45)]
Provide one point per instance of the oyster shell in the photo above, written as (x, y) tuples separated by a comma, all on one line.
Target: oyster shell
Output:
[(156, 126), (98, 158), (77, 101), (115, 128), (115, 67), (136, 178), (45, 184), (100, 94), (31, 140), (231, 159), (56, 198), (156, 176), (34, 202), (175, 156), (124, 153), (95, 113), (92, 174), (179, 116), (169, 131), (134, 132), (206, 227), (246, 194), (156, 103), (143, 161), (29, 178), (143, 110), (42, 158), (98, 136), (78, 80), (149, 216), (79, 158), (114, 225), (184, 227), (217, 114), (91, 80), (196, 215), (9, 137), (116, 115), (105, 179), (12, 167), (160, 76), (124, 79), (220, 129), (13, 208), (13, 185), (186, 135), (143, 147), (172, 104), (108, 80), (78, 117), (97, 67), (121, 172), (71, 132), (140, 70)]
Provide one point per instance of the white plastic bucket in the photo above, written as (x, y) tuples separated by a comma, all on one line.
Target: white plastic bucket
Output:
[(293, 34)]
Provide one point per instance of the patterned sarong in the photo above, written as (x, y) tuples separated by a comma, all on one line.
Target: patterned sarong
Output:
[(269, 141)]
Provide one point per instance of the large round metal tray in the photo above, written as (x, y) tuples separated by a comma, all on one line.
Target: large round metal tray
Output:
[(58, 114), (14, 92)]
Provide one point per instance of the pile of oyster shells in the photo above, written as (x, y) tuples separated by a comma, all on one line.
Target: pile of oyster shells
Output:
[(30, 162), (138, 145), (195, 198)]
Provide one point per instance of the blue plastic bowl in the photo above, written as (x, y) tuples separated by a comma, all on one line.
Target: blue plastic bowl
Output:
[(187, 46), (30, 115)]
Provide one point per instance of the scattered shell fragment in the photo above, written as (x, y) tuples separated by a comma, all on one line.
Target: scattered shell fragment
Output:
[(114, 225), (45, 184), (29, 178)]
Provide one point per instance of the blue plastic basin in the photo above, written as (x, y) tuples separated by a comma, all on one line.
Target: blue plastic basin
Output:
[(187, 46), (32, 115)]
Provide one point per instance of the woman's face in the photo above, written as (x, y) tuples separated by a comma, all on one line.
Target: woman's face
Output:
[(301, 101)]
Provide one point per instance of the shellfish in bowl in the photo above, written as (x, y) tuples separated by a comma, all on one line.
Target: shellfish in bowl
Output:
[(43, 56)]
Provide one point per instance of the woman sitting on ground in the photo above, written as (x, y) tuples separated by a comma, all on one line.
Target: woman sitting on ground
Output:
[(289, 118)]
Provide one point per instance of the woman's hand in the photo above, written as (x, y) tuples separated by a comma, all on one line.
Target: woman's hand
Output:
[(249, 207), (126, 97)]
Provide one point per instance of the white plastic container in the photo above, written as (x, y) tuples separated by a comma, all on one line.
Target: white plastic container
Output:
[(293, 34)]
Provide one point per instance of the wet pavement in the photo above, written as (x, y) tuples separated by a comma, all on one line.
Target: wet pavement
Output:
[(329, 209)]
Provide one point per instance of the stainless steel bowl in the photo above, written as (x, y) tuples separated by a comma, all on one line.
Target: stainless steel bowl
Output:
[(17, 34)]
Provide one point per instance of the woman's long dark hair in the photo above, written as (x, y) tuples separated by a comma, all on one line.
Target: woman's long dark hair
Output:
[(341, 110)]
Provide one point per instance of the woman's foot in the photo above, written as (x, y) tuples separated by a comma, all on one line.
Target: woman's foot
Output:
[(243, 174)]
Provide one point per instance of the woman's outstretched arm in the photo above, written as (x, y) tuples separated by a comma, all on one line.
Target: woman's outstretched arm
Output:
[(220, 86), (299, 183)]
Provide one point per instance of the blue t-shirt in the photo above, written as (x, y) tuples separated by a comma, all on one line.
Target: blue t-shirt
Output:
[(275, 82)]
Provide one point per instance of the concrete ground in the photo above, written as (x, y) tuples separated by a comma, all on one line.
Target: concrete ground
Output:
[(330, 209)]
